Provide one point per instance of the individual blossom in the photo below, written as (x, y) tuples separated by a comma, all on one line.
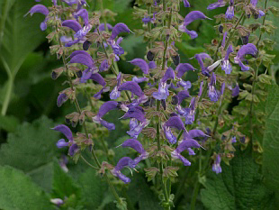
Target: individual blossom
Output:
[(188, 113), (136, 127), (173, 122), (179, 97), (185, 144), (73, 147), (220, 3), (190, 17), (100, 80), (115, 93), (230, 10), (216, 167), (135, 89), (61, 99), (186, 3), (57, 201), (39, 8), (104, 66), (142, 64), (200, 57), (235, 90), (105, 108), (123, 162), (248, 49), (163, 91), (259, 13), (225, 63), (80, 32), (119, 28), (233, 140), (212, 92), (102, 27), (136, 145), (139, 79), (181, 69), (83, 57)]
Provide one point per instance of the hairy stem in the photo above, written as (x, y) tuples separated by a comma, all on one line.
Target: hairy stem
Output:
[(161, 167), (8, 95)]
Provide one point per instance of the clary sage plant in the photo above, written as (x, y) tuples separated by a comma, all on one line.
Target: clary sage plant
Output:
[(173, 123)]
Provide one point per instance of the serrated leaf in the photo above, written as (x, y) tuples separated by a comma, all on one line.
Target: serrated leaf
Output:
[(239, 186), (31, 146), (92, 189), (19, 192)]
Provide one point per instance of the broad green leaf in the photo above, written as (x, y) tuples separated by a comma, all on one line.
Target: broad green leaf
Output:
[(93, 189), (17, 191), (62, 184), (31, 146), (239, 186), (271, 139), (140, 192), (21, 35)]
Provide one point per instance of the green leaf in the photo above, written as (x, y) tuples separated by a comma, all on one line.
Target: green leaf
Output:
[(92, 189), (271, 139), (8, 123), (31, 146), (239, 186), (21, 36), (63, 185), (19, 192), (140, 192)]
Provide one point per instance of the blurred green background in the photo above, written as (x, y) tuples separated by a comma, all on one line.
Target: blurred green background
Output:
[(28, 107)]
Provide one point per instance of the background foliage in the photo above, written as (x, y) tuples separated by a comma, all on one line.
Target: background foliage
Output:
[(30, 174)]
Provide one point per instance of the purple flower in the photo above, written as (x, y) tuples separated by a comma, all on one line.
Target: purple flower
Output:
[(135, 112), (76, 27), (182, 68), (173, 122), (100, 80), (261, 13), (195, 133), (220, 3), (83, 14), (102, 27), (212, 93), (182, 95), (136, 128), (68, 134), (185, 144), (163, 91), (117, 49), (105, 108), (188, 113), (136, 145), (133, 87), (141, 64), (224, 39), (139, 80), (39, 8), (235, 91), (123, 162), (115, 93), (186, 3), (61, 99), (200, 57), (216, 167), (245, 50), (223, 86), (146, 20), (152, 65), (104, 66), (233, 140), (226, 66), (119, 28), (192, 16), (230, 10)]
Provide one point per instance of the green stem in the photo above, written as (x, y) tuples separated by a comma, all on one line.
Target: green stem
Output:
[(149, 26), (197, 185), (217, 118), (7, 95), (234, 30), (89, 164), (161, 167), (200, 99), (261, 33), (166, 43)]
